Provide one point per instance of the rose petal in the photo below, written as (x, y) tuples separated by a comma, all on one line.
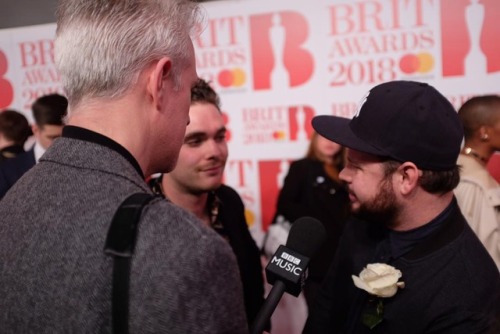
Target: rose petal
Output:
[(382, 282), (360, 284), (386, 292), (367, 275)]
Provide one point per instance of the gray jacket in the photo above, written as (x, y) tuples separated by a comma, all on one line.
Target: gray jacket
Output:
[(55, 277)]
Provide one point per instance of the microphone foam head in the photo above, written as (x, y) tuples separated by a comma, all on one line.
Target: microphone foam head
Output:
[(306, 236)]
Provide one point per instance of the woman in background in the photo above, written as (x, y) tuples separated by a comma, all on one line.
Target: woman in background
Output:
[(312, 188), (478, 193)]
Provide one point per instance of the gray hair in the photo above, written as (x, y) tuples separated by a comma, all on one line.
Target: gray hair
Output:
[(102, 46)]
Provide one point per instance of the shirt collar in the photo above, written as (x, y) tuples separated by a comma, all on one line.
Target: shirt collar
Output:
[(38, 150), (398, 243)]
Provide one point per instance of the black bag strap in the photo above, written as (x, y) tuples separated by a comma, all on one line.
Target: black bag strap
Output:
[(120, 243)]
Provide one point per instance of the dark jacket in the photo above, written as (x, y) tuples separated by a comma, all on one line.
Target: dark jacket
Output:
[(11, 170), (232, 217), (452, 284), (10, 152), (308, 191)]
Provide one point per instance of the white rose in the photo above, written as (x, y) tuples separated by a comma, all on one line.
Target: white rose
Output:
[(379, 279)]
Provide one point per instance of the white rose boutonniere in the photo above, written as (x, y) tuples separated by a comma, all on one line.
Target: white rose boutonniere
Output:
[(380, 280)]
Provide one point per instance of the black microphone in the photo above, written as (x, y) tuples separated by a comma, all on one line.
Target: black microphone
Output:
[(287, 269)]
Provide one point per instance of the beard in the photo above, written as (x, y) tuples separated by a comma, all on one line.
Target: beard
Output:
[(382, 209)]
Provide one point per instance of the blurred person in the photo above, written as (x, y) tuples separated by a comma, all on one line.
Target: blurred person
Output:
[(409, 263), (127, 68), (14, 131), (196, 185), (312, 188), (478, 193), (48, 112)]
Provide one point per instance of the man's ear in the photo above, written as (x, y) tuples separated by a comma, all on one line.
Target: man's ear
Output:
[(158, 78), (35, 129), (408, 177)]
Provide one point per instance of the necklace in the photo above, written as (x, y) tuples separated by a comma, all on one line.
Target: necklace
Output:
[(470, 151)]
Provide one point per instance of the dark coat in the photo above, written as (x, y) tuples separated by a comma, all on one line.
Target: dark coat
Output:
[(232, 216), (10, 152), (452, 284), (308, 191), (11, 170)]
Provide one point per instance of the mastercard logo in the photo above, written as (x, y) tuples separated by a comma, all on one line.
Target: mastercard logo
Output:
[(232, 78), (250, 217), (416, 63), (279, 135)]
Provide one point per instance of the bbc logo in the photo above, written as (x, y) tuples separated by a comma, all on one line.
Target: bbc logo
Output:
[(290, 258)]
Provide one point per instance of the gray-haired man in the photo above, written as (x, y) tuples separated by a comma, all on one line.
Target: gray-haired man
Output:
[(127, 68)]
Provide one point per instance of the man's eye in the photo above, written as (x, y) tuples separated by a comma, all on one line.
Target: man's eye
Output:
[(220, 138), (350, 165), (194, 142)]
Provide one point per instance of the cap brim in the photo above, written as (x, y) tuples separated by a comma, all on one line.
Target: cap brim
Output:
[(337, 129)]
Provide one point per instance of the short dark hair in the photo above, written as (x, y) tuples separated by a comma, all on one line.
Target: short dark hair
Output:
[(14, 126), (202, 92), (50, 110), (434, 182), (478, 111)]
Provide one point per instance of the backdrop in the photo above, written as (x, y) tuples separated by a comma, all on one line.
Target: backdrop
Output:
[(277, 64)]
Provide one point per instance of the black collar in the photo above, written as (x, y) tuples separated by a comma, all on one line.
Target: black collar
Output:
[(451, 226), (75, 132), (421, 241)]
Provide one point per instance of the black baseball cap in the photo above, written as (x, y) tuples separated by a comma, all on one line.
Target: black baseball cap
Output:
[(402, 120)]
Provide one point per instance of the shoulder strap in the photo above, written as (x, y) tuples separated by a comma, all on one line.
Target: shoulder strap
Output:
[(120, 243)]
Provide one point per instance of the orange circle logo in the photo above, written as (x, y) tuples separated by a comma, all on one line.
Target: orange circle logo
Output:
[(422, 62), (232, 78), (279, 135), (250, 217)]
